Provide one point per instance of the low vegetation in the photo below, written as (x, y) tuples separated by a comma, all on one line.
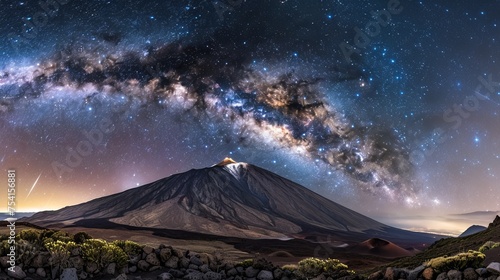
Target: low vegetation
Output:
[(312, 267), (460, 261), (488, 246)]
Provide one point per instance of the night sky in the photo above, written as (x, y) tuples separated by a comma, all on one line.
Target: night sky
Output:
[(390, 108)]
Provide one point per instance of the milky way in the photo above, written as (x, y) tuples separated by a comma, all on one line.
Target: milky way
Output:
[(210, 82)]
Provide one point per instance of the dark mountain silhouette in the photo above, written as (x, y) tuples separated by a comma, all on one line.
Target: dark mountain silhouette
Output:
[(229, 199), (472, 230)]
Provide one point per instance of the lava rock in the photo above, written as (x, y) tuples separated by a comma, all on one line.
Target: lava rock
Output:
[(152, 259), (196, 261), (173, 262), (16, 273), (165, 276), (69, 274), (251, 272), (111, 269), (41, 272), (494, 268), (416, 272), (143, 265), (470, 274), (213, 276), (455, 275), (428, 273)]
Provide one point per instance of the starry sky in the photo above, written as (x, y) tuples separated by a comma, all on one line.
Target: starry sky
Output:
[(390, 108)]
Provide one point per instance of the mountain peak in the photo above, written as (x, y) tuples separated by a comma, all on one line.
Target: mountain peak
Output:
[(226, 161)]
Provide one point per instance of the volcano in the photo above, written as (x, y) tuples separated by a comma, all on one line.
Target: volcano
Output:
[(229, 199)]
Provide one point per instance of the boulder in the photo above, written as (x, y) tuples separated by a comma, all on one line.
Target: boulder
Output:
[(54, 271), (148, 250), (75, 251), (41, 272), (428, 273), (16, 273), (184, 262), (122, 276), (204, 268), (83, 275), (76, 262), (455, 275), (442, 276), (494, 267), (132, 269), (232, 272), (111, 269), (152, 259), (178, 253), (278, 273), (391, 274), (31, 270), (470, 274), (173, 262), (211, 275), (206, 258), (482, 272), (196, 261), (251, 272), (134, 259), (176, 273), (143, 265), (194, 275), (165, 254), (40, 260), (413, 275), (193, 266), (91, 267), (265, 275), (69, 274), (165, 276)]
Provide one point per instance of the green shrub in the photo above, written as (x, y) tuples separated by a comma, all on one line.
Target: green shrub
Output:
[(80, 237), (26, 252), (103, 253), (59, 251), (246, 263), (62, 236), (290, 267), (4, 247), (4, 237), (312, 267), (130, 248), (460, 261), (47, 233), (489, 245), (30, 235)]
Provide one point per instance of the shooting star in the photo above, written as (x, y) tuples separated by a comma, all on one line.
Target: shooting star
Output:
[(1, 161), (34, 184)]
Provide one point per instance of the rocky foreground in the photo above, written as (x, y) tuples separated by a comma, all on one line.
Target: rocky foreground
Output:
[(491, 272), (169, 263)]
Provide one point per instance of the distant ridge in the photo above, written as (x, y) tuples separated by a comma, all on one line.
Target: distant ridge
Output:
[(472, 230)]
